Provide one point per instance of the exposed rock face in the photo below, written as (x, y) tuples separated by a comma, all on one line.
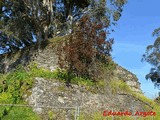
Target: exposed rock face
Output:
[(51, 94), (128, 77), (45, 58)]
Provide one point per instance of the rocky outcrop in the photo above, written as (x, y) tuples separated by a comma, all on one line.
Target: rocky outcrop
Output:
[(54, 94), (45, 58), (128, 77)]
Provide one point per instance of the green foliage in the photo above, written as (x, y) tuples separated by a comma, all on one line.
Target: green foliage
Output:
[(143, 98), (116, 16), (90, 85), (157, 110), (51, 115), (93, 116), (156, 32), (23, 19), (13, 86), (34, 71), (118, 85), (108, 68), (152, 56), (46, 19), (121, 86), (63, 76), (17, 113)]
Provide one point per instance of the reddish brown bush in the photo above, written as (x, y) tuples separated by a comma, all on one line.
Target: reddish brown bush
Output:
[(83, 48)]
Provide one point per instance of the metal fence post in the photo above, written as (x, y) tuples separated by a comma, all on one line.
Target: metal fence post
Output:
[(77, 112)]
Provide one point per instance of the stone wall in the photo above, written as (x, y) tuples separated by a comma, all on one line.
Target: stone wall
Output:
[(49, 93), (55, 94), (128, 77), (45, 58)]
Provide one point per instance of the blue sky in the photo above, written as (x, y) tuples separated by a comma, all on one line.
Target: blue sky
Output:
[(132, 34)]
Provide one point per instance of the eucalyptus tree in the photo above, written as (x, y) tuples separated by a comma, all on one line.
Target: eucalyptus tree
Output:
[(152, 56), (86, 23), (23, 21)]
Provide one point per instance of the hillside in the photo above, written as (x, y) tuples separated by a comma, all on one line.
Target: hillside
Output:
[(31, 77)]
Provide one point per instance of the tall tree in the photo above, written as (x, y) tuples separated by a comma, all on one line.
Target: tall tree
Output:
[(25, 18), (22, 21), (152, 56), (89, 41)]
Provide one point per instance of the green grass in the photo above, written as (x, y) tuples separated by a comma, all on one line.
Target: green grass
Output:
[(12, 88), (63, 76), (143, 98), (17, 113), (121, 86), (118, 85)]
